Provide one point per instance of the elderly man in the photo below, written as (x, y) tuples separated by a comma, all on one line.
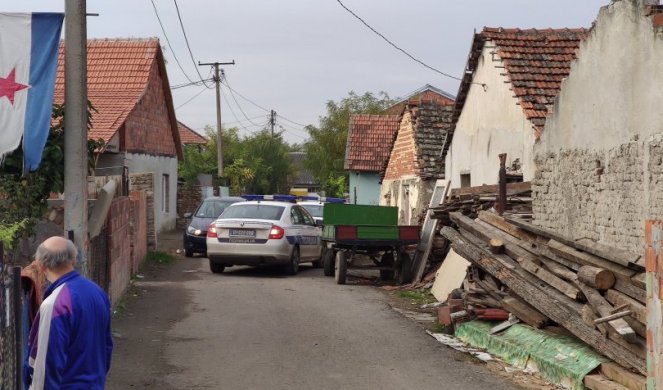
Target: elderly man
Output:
[(70, 342)]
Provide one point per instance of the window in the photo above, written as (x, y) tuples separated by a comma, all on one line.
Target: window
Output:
[(253, 211), (165, 193), (296, 216), (308, 220), (465, 180)]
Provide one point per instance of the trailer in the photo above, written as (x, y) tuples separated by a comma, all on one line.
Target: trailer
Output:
[(351, 231)]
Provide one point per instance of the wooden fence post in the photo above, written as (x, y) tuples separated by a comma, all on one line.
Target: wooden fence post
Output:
[(654, 267)]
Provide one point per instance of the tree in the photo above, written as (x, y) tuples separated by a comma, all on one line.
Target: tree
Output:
[(325, 150), (201, 159), (267, 156)]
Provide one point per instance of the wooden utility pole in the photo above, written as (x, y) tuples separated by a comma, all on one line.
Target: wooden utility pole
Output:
[(217, 81), (272, 121), (654, 268), (75, 137)]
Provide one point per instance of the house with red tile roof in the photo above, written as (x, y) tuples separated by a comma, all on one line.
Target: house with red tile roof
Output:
[(510, 82), (134, 116), (599, 160), (188, 136), (416, 158)]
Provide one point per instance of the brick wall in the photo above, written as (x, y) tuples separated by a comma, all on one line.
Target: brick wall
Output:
[(148, 128), (605, 196), (138, 228), (188, 198), (145, 182), (403, 160), (119, 248)]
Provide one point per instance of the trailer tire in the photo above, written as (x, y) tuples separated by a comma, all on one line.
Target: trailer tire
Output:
[(387, 260), (340, 267), (405, 274), (328, 262)]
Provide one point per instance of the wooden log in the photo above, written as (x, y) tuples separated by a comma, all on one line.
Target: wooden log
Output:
[(612, 255), (612, 317), (597, 278), (637, 349), (619, 308), (560, 271), (639, 328), (499, 222), (622, 376), (511, 189), (496, 245), (554, 281), (602, 308), (638, 309), (632, 291), (544, 251), (525, 312), (583, 258), (600, 382), (499, 267)]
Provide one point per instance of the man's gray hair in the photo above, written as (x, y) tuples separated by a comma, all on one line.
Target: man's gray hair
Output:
[(54, 259)]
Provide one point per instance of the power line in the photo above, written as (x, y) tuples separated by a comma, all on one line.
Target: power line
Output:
[(395, 46), (179, 16), (233, 112), (168, 42), (223, 76), (190, 99), (191, 84), (293, 122)]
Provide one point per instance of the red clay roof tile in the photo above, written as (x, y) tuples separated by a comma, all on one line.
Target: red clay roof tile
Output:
[(189, 136), (370, 138)]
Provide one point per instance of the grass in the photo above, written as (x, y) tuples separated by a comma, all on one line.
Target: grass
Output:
[(159, 257), (439, 328), (418, 297)]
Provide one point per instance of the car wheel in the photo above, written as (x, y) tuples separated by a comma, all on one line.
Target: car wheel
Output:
[(340, 267), (318, 263), (405, 275), (328, 262), (293, 267), (387, 261), (188, 252), (216, 267)]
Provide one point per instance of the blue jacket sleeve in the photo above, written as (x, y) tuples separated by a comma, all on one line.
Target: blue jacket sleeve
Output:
[(56, 358)]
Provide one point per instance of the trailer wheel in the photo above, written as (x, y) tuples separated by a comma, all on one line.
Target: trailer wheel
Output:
[(387, 261), (405, 274), (328, 262), (340, 268)]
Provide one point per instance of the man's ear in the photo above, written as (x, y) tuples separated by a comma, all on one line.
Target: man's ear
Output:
[(40, 266)]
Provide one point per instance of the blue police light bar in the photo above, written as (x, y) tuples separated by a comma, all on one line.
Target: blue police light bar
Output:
[(279, 198), (323, 199)]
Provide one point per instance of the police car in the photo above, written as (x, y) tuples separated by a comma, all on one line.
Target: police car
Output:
[(264, 230), (315, 205)]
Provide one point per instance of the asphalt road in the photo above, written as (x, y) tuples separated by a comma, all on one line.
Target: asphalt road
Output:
[(182, 327)]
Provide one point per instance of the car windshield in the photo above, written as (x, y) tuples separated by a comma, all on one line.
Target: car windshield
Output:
[(314, 209), (253, 211), (211, 208)]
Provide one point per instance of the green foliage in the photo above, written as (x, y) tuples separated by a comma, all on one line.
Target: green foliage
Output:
[(8, 233), (24, 194), (325, 151), (159, 257), (418, 297)]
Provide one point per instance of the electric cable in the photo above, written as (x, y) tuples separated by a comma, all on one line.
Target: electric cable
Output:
[(186, 39), (223, 77), (191, 99), (168, 42)]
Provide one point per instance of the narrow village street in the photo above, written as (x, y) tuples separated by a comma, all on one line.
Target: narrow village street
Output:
[(182, 327)]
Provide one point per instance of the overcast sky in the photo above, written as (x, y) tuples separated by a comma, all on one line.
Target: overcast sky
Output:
[(293, 56)]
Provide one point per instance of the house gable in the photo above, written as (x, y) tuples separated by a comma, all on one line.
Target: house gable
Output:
[(402, 159), (369, 142)]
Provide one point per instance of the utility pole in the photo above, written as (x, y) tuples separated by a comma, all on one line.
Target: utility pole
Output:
[(272, 120), (75, 137), (217, 81)]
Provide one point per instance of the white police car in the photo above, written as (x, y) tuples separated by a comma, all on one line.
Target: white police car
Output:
[(262, 231), (315, 205)]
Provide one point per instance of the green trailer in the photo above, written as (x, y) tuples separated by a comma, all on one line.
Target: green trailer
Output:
[(372, 231)]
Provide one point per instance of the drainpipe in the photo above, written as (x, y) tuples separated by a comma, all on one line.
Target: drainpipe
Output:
[(501, 199)]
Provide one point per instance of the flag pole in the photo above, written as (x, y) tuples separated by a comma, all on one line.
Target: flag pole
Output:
[(75, 135)]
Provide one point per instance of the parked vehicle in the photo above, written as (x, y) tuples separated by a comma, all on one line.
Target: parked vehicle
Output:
[(263, 232), (352, 231), (208, 210), (314, 205)]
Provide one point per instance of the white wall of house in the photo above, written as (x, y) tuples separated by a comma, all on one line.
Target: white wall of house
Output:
[(364, 188), (492, 122), (600, 157), (410, 194), (165, 205)]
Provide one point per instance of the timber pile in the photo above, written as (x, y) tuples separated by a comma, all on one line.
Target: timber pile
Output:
[(595, 292)]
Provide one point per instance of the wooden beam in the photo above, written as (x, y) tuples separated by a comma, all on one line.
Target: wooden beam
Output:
[(525, 312), (622, 376), (560, 271), (614, 255), (583, 258), (511, 189), (599, 382), (602, 308), (537, 298), (638, 309), (612, 317), (632, 291), (554, 281), (499, 222)]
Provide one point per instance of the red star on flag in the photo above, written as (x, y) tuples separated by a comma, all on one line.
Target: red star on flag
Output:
[(9, 86)]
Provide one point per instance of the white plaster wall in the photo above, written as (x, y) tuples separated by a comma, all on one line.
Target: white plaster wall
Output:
[(615, 89), (159, 165), (410, 205), (492, 122)]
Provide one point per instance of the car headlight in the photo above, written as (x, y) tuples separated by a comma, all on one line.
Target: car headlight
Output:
[(190, 230), (198, 232)]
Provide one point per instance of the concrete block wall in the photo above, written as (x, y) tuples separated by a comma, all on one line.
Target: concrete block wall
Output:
[(188, 198), (602, 195), (138, 228), (145, 182), (119, 248)]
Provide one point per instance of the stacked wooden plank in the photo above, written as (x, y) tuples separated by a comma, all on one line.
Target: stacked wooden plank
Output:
[(596, 293)]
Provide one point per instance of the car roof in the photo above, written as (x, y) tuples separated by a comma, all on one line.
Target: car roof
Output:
[(225, 198), (311, 202), (263, 202)]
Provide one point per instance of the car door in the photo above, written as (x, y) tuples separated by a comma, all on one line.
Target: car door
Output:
[(310, 235), (296, 229)]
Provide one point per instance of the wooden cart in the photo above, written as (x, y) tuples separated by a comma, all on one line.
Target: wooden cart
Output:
[(371, 231)]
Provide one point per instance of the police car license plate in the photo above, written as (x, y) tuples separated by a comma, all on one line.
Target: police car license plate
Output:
[(242, 233)]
